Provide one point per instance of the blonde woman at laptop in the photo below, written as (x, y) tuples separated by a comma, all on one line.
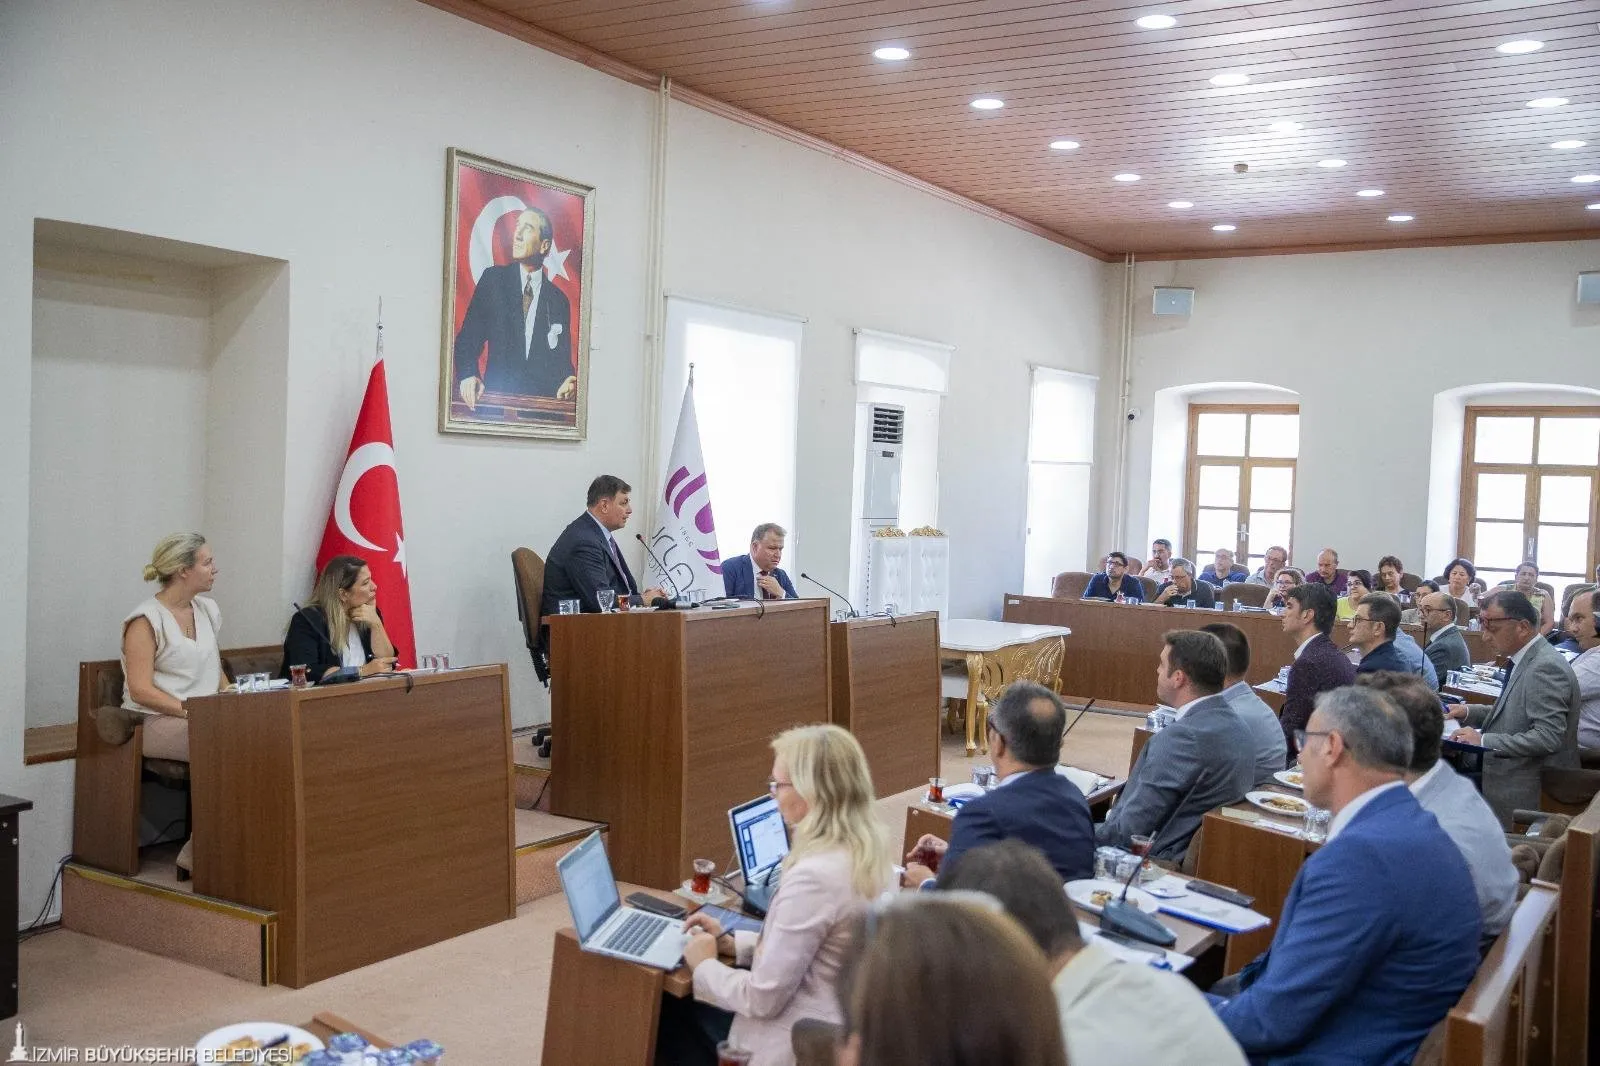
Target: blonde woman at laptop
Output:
[(839, 862)]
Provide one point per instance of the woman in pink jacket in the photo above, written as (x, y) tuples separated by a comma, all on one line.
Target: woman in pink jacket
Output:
[(839, 861)]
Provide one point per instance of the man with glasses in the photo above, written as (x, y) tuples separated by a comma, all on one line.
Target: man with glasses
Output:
[(1534, 723), (1379, 933), (1372, 629), (1160, 556), (1319, 665), (1032, 803), (1581, 627), (1447, 648), (1276, 559), (1116, 581), (1183, 590)]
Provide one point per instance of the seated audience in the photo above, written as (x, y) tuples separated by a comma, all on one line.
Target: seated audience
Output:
[(1457, 580), (1112, 1012), (1032, 803), (339, 626), (945, 979), (756, 576), (1586, 667), (1271, 750), (170, 651), (1328, 572), (1205, 759), (1282, 582), (838, 863), (1115, 582), (1563, 638), (1159, 566), (1412, 616), (1379, 934), (1318, 664), (1534, 722), (1453, 800), (1390, 574), (1527, 583), (1276, 559), (1183, 590), (1447, 648), (1357, 584), (1223, 570)]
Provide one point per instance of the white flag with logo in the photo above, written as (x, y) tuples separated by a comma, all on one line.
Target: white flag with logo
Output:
[(685, 537)]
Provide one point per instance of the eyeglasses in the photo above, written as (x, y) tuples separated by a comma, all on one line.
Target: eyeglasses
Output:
[(773, 785), (1360, 618), (1490, 623), (1302, 735)]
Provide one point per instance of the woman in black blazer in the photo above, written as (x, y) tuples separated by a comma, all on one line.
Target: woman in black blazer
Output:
[(340, 626)]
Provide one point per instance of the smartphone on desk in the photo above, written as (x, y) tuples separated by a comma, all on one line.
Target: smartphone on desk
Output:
[(656, 905), (731, 920)]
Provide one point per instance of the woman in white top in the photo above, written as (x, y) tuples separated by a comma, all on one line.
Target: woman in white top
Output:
[(838, 863)]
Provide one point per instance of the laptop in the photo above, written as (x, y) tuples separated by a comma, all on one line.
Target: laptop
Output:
[(605, 926), (761, 841)]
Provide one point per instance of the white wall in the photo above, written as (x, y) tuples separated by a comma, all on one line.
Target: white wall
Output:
[(1367, 340), (315, 134)]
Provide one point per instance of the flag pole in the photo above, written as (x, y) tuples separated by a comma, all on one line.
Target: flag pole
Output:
[(379, 358)]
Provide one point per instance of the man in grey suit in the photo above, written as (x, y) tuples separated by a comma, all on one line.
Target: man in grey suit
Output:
[(1272, 751), (1447, 648), (1205, 759), (1452, 799), (1534, 723)]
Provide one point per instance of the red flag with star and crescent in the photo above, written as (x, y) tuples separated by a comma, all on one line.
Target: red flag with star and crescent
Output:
[(365, 520)]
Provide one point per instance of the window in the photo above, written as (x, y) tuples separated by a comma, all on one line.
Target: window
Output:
[(1060, 462), (746, 392), (1241, 480), (1529, 492)]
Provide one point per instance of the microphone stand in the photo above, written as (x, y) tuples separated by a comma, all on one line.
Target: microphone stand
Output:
[(852, 608), (678, 598)]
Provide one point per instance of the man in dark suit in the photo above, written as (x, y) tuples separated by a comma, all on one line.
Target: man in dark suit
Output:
[(1372, 629), (1205, 759), (756, 576), (1447, 648), (1319, 665), (1534, 723), (1114, 582), (524, 319), (585, 559), (1183, 589), (1032, 803), (1379, 934), (1261, 720)]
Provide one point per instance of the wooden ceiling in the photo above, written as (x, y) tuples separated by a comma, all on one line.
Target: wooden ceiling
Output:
[(1413, 95)]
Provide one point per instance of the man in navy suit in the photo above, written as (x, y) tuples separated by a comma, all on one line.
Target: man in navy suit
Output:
[(1372, 629), (1319, 665), (1379, 934), (1032, 803), (756, 576), (1114, 582), (524, 319)]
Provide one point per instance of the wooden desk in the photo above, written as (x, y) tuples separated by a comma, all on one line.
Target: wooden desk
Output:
[(11, 809), (1258, 862), (996, 654), (324, 1025), (374, 818), (883, 686), (664, 720)]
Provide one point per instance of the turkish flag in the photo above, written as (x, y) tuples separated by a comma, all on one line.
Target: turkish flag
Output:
[(365, 520)]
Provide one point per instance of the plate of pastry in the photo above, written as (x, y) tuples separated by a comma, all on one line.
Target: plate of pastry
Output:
[(1278, 803)]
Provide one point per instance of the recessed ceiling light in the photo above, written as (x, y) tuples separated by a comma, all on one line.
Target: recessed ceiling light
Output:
[(1566, 146), (1586, 179), (1063, 146), (1286, 125), (1180, 205), (1125, 177), (1518, 48), (1548, 101), (1402, 218), (892, 53), (1231, 77), (1155, 22), (988, 103), (1370, 194), (1223, 227), (1331, 164)]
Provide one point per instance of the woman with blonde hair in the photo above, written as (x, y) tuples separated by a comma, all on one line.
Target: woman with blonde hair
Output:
[(340, 625), (839, 860), (170, 651)]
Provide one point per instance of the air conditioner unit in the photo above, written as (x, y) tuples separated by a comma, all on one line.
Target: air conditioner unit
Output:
[(886, 437)]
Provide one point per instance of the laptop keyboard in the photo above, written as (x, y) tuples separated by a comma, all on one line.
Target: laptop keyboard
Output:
[(635, 934)]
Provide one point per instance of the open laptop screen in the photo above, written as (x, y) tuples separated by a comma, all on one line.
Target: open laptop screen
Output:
[(759, 836), (590, 888)]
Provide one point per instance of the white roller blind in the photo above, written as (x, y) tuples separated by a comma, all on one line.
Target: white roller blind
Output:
[(1061, 429), (902, 362)]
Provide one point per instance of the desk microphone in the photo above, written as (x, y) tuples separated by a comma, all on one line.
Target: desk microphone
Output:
[(853, 612), (678, 599), (1126, 919)]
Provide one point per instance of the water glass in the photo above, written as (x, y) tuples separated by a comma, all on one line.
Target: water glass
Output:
[(427, 662), (607, 598), (569, 606), (1317, 820), (1105, 862), (1127, 866), (260, 682), (442, 660), (890, 610), (1189, 603)]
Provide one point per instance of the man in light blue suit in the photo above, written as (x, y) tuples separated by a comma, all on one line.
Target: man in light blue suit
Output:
[(756, 576), (1379, 935)]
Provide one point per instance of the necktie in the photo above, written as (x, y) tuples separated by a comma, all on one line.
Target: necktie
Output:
[(616, 557), (527, 302), (761, 591)]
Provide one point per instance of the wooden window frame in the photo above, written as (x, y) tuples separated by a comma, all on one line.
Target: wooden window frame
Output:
[(1191, 509), (1467, 517)]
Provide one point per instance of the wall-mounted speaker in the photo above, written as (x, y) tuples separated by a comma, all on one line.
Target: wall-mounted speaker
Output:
[(1171, 301), (1588, 287)]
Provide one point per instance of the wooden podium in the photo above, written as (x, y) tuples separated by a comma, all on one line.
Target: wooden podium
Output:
[(375, 818), (662, 722), (883, 677)]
